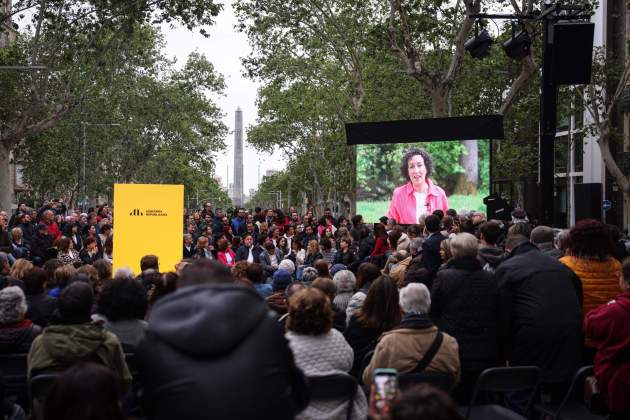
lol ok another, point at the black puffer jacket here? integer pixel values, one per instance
(214, 351)
(540, 302)
(464, 304)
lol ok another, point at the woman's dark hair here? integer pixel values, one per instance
(222, 245)
(254, 273)
(123, 298)
(89, 240)
(393, 237)
(64, 244)
(104, 269)
(50, 267)
(590, 239)
(34, 281)
(381, 308)
(424, 401)
(106, 228)
(108, 246)
(165, 285)
(279, 216)
(310, 312)
(97, 387)
(325, 243)
(379, 231)
(322, 268)
(428, 162)
(366, 273)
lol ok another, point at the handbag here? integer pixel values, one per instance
(594, 399)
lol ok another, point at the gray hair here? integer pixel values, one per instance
(416, 244)
(123, 273)
(187, 236)
(415, 299)
(345, 280)
(309, 274)
(4, 258)
(287, 265)
(12, 305)
(15, 230)
(464, 245)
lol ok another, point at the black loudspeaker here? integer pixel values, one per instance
(497, 208)
(588, 201)
(572, 52)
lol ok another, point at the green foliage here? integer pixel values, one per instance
(146, 123)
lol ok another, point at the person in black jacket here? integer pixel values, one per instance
(224, 362)
(417, 272)
(431, 245)
(243, 252)
(40, 245)
(464, 304)
(540, 304)
(41, 307)
(345, 255)
(90, 252)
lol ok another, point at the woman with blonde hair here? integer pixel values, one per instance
(20, 267)
(312, 253)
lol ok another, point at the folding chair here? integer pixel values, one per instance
(572, 406)
(503, 380)
(38, 388)
(334, 387)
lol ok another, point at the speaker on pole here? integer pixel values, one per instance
(572, 52)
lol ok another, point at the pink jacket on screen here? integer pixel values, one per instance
(403, 205)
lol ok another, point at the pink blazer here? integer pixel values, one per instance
(223, 259)
(403, 205)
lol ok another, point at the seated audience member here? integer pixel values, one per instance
(166, 285)
(66, 254)
(85, 391)
(16, 331)
(490, 255)
(608, 328)
(291, 290)
(345, 282)
(464, 304)
(540, 314)
(41, 307)
(76, 339)
(543, 238)
(255, 274)
(403, 348)
(308, 275)
(399, 268)
(322, 268)
(209, 357)
(188, 248)
(248, 251)
(90, 253)
(225, 255)
(416, 271)
(379, 313)
(366, 274)
(92, 274)
(328, 287)
(287, 265)
(20, 268)
(320, 350)
(431, 245)
(149, 262)
(270, 259)
(424, 401)
(104, 269)
(277, 301)
(346, 254)
(62, 277)
(123, 302)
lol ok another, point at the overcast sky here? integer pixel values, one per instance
(224, 49)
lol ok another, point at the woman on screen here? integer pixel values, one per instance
(418, 196)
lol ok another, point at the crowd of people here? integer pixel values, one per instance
(264, 300)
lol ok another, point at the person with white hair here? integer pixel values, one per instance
(465, 304)
(416, 345)
(345, 282)
(288, 265)
(16, 332)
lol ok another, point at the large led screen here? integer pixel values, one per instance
(406, 180)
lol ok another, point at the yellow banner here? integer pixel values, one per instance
(148, 219)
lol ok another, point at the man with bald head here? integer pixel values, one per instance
(543, 238)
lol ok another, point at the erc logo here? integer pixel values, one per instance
(136, 212)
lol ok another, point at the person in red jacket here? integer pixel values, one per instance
(609, 329)
(48, 218)
(225, 254)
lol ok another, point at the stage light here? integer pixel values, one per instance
(479, 45)
(518, 46)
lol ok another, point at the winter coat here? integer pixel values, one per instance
(608, 328)
(326, 354)
(380, 247)
(540, 304)
(397, 274)
(490, 258)
(265, 262)
(362, 339)
(464, 304)
(60, 346)
(417, 272)
(86, 258)
(600, 279)
(222, 257)
(403, 347)
(345, 258)
(311, 258)
(39, 247)
(213, 350)
(431, 252)
(547, 248)
(242, 253)
(17, 338)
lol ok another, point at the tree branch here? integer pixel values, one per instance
(457, 60)
(528, 68)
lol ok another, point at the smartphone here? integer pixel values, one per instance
(385, 389)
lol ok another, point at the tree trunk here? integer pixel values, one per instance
(467, 181)
(6, 187)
